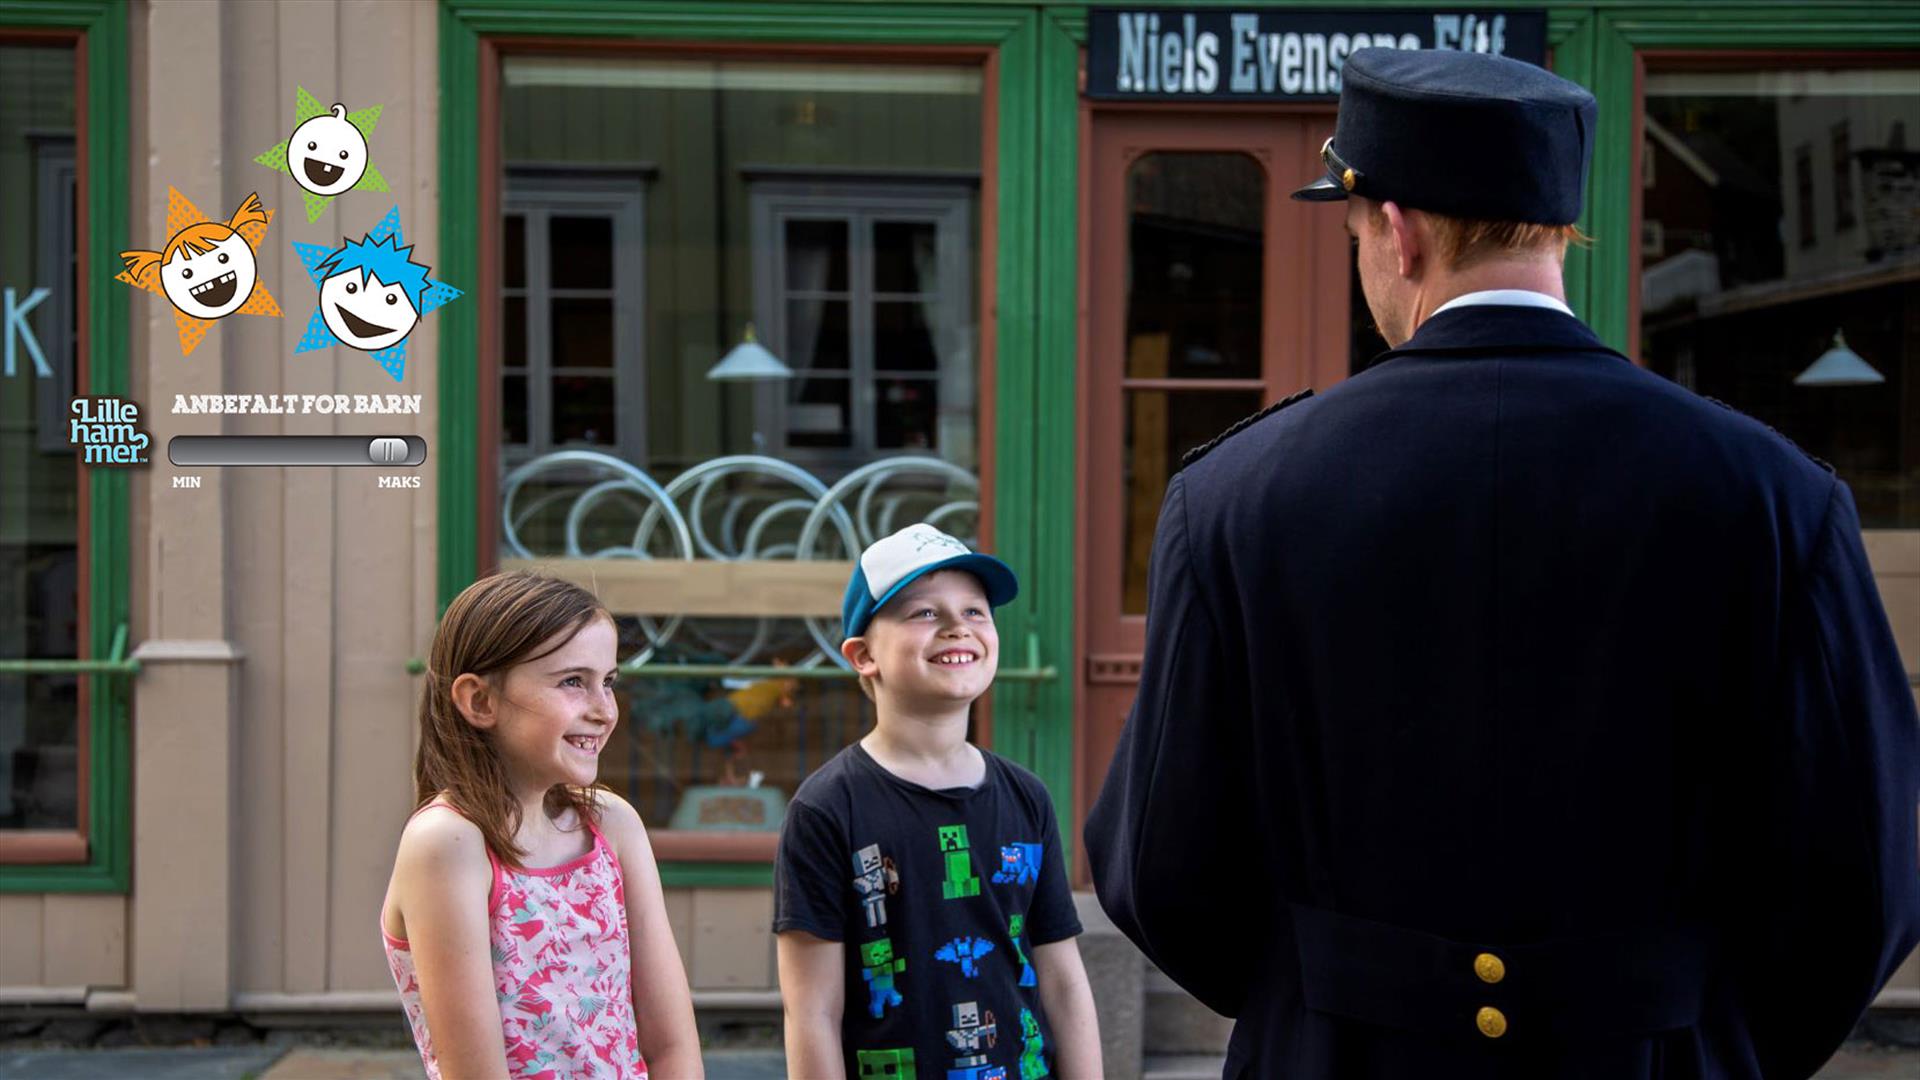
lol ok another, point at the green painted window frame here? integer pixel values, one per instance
(103, 26)
(1034, 282)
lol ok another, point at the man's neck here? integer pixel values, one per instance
(1531, 275)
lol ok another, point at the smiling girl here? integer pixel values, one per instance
(524, 923)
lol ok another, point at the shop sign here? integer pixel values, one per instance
(1223, 54)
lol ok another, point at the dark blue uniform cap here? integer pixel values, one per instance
(1464, 134)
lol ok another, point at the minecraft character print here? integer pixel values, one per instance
(972, 1034)
(1019, 864)
(875, 878)
(1016, 928)
(960, 881)
(886, 1065)
(208, 270)
(1033, 1062)
(878, 967)
(964, 951)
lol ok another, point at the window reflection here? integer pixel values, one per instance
(1780, 209)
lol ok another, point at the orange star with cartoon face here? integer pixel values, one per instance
(208, 270)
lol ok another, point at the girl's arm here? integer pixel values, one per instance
(662, 1004)
(441, 878)
(1068, 1000)
(813, 991)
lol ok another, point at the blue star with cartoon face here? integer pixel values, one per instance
(372, 294)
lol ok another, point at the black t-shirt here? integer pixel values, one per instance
(940, 897)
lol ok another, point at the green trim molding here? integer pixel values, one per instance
(1036, 273)
(716, 875)
(109, 556)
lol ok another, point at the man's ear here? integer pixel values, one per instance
(1406, 238)
(860, 656)
(476, 700)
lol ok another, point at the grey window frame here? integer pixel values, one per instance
(541, 193)
(944, 203)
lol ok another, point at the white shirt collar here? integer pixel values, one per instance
(1506, 297)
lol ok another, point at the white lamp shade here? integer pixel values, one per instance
(749, 361)
(1839, 366)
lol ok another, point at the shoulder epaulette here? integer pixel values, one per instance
(1810, 456)
(1207, 447)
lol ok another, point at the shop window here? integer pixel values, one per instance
(1771, 261)
(42, 772)
(832, 209)
(572, 353)
(864, 289)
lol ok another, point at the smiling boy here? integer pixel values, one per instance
(925, 923)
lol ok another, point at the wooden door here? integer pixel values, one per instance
(1209, 294)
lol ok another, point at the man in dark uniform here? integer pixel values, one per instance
(1507, 710)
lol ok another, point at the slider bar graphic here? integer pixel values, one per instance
(402, 451)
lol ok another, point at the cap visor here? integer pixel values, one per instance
(1325, 189)
(995, 576)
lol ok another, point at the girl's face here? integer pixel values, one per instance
(555, 713)
(935, 642)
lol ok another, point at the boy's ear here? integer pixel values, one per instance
(475, 699)
(860, 656)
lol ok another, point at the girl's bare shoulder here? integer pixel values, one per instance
(441, 840)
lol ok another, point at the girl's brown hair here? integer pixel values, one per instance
(496, 623)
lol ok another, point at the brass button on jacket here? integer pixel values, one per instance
(1492, 1022)
(1489, 967)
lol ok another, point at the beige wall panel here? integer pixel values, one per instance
(374, 527)
(680, 920)
(20, 945)
(184, 767)
(258, 561)
(1908, 975)
(306, 54)
(1901, 596)
(1893, 551)
(85, 939)
(732, 939)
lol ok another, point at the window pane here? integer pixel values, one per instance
(513, 332)
(757, 205)
(818, 338)
(583, 410)
(1196, 247)
(904, 414)
(513, 410)
(40, 537)
(1161, 428)
(818, 413)
(514, 253)
(581, 252)
(903, 257)
(1763, 249)
(816, 256)
(582, 332)
(901, 340)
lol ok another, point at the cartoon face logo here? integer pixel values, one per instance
(208, 270)
(211, 282)
(327, 155)
(366, 313)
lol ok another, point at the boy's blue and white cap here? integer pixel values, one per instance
(908, 555)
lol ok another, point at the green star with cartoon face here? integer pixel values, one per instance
(327, 154)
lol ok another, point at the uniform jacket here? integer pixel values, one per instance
(1506, 646)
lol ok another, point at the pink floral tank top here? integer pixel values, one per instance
(561, 970)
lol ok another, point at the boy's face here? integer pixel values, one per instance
(932, 644)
